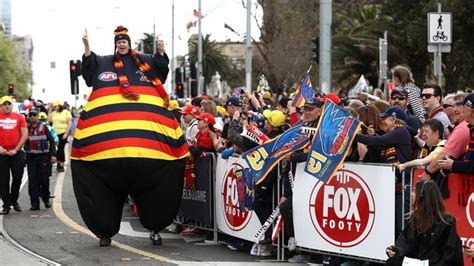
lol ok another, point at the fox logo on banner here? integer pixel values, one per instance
(262, 159)
(335, 132)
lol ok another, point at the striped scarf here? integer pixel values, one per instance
(145, 68)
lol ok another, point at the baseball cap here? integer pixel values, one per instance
(234, 101)
(173, 105)
(33, 111)
(333, 97)
(275, 118)
(207, 117)
(43, 116)
(191, 110)
(314, 102)
(399, 90)
(221, 110)
(267, 95)
(6, 99)
(57, 103)
(395, 111)
(469, 100)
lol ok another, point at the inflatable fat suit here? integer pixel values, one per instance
(127, 143)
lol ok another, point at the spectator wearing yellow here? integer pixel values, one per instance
(60, 119)
(274, 122)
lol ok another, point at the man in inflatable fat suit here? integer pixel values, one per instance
(127, 142)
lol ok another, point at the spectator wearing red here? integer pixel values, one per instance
(205, 138)
(190, 123)
(13, 134)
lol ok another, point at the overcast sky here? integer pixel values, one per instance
(56, 27)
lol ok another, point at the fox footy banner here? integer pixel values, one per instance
(335, 132)
(262, 159)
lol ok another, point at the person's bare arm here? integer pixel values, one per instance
(23, 138)
(85, 41)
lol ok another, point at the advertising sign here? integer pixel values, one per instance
(352, 214)
(231, 218)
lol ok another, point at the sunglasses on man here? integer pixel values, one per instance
(398, 98)
(427, 95)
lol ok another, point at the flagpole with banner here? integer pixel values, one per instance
(334, 135)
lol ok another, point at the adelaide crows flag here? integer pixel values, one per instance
(334, 135)
(262, 159)
(303, 92)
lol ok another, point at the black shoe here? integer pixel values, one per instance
(35, 208)
(5, 211)
(155, 238)
(47, 204)
(60, 169)
(17, 207)
(52, 196)
(105, 242)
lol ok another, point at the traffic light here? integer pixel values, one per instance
(75, 72)
(180, 90)
(11, 89)
(315, 56)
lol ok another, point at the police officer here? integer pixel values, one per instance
(40, 151)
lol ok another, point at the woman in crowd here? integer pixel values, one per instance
(61, 120)
(403, 77)
(396, 148)
(430, 233)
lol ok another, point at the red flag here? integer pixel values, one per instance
(195, 13)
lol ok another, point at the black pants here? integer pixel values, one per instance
(15, 164)
(101, 188)
(60, 153)
(286, 210)
(38, 166)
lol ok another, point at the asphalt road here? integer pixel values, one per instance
(59, 234)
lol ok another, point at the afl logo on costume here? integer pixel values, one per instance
(108, 76)
(343, 210)
(235, 219)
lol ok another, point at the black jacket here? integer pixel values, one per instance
(441, 245)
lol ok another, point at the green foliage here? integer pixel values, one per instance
(213, 60)
(12, 70)
(147, 42)
(407, 25)
(355, 44)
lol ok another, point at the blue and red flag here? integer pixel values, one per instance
(334, 135)
(304, 91)
(263, 158)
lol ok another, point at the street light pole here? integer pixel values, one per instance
(200, 79)
(248, 49)
(325, 18)
(173, 81)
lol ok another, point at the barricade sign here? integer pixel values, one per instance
(196, 202)
(232, 217)
(353, 214)
(460, 204)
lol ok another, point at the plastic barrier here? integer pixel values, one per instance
(353, 215)
(460, 204)
(232, 218)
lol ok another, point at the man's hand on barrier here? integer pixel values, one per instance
(445, 164)
(469, 251)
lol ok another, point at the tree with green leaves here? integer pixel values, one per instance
(213, 60)
(12, 70)
(147, 43)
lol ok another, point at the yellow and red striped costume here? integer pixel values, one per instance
(112, 126)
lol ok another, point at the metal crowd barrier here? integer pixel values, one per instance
(182, 219)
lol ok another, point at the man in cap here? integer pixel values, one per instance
(40, 151)
(399, 97)
(189, 117)
(13, 134)
(467, 164)
(233, 106)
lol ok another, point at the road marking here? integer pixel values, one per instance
(59, 212)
